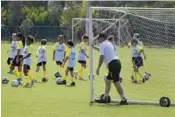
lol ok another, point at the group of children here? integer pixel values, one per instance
(22, 49)
(21, 55)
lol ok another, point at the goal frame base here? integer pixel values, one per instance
(137, 102)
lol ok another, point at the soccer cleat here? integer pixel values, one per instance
(28, 85)
(143, 80)
(33, 82)
(57, 74)
(10, 72)
(72, 84)
(124, 102)
(19, 80)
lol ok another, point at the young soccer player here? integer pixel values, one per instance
(137, 60)
(20, 43)
(12, 50)
(27, 59)
(70, 57)
(59, 52)
(41, 58)
(82, 56)
(113, 64)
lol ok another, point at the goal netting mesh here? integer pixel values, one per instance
(156, 27)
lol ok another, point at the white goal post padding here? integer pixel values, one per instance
(156, 27)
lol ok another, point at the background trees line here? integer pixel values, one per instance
(42, 13)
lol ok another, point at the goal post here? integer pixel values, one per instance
(156, 27)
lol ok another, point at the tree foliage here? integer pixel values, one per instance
(54, 12)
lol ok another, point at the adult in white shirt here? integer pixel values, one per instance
(108, 56)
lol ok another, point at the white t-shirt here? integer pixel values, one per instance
(107, 49)
(41, 53)
(13, 50)
(27, 50)
(20, 47)
(136, 49)
(81, 55)
(59, 51)
(72, 60)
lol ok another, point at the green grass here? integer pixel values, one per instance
(51, 100)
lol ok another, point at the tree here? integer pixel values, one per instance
(26, 25)
(15, 13)
(74, 9)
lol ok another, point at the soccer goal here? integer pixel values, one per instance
(156, 27)
(79, 27)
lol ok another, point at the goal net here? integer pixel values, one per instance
(79, 27)
(156, 27)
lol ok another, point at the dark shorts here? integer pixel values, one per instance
(58, 62)
(114, 68)
(41, 63)
(26, 67)
(70, 68)
(137, 61)
(9, 60)
(82, 62)
(14, 61)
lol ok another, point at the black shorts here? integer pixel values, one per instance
(114, 68)
(41, 63)
(58, 62)
(70, 68)
(137, 61)
(82, 62)
(9, 60)
(14, 61)
(26, 67)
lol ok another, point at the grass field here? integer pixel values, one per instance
(51, 100)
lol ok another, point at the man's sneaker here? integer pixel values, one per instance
(72, 84)
(124, 102)
(10, 72)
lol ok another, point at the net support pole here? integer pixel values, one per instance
(91, 76)
(73, 30)
(119, 36)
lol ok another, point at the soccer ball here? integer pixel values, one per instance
(5, 80)
(105, 99)
(44, 79)
(15, 83)
(59, 80)
(146, 76)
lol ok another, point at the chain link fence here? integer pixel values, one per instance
(39, 32)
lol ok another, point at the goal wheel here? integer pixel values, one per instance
(107, 99)
(164, 102)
